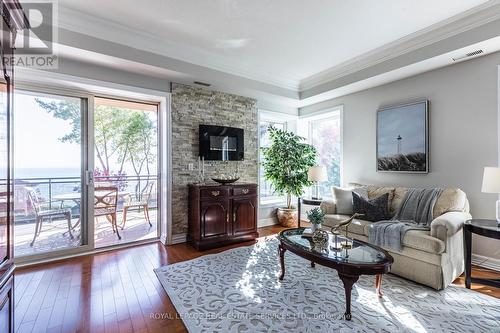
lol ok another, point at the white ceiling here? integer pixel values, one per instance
(277, 40)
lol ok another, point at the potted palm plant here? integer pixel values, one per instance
(286, 162)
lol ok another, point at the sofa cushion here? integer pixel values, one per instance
(397, 199)
(451, 200)
(376, 209)
(356, 226)
(332, 220)
(420, 240)
(342, 197)
(359, 227)
(376, 191)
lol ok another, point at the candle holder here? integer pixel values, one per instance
(201, 170)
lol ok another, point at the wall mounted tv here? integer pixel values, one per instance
(221, 143)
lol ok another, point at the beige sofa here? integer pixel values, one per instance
(434, 258)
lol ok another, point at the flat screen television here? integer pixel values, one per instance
(221, 143)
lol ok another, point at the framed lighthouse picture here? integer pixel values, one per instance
(403, 138)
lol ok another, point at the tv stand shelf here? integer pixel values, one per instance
(221, 214)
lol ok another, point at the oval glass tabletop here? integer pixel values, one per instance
(360, 253)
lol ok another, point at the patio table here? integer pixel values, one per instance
(76, 197)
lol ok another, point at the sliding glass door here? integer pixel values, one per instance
(48, 168)
(86, 172)
(125, 171)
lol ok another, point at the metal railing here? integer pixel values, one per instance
(50, 188)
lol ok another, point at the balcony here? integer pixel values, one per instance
(63, 194)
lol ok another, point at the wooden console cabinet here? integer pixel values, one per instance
(222, 214)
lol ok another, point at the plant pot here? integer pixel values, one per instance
(315, 227)
(287, 217)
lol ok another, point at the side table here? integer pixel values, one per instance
(306, 201)
(486, 228)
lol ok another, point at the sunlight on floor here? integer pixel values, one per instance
(398, 313)
(250, 280)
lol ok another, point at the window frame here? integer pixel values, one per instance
(337, 111)
(277, 118)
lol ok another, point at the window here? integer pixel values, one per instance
(267, 194)
(324, 132)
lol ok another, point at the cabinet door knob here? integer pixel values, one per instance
(245, 191)
(215, 193)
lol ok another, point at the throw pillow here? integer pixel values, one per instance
(374, 210)
(343, 199)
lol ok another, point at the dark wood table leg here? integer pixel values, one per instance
(467, 256)
(282, 251)
(299, 208)
(348, 281)
(378, 285)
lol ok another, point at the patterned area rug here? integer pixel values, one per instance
(239, 291)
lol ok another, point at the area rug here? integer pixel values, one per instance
(238, 291)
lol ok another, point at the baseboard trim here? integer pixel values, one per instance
(486, 262)
(266, 222)
(179, 239)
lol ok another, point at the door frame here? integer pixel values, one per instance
(118, 91)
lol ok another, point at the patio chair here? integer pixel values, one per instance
(42, 215)
(105, 202)
(141, 202)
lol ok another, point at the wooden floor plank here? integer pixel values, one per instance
(117, 291)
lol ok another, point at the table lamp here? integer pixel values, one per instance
(317, 174)
(491, 184)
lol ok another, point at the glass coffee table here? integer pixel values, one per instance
(360, 259)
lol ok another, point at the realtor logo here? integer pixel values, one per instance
(35, 47)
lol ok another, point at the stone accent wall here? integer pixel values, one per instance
(192, 106)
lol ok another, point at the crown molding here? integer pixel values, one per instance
(111, 31)
(470, 19)
(83, 23)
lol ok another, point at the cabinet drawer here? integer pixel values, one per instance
(213, 193)
(245, 190)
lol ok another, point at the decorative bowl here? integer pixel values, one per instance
(225, 181)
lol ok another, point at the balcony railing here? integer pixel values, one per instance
(59, 192)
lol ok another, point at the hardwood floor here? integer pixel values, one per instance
(115, 291)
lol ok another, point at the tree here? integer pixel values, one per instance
(109, 135)
(286, 163)
(120, 135)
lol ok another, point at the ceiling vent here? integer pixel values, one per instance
(469, 55)
(202, 83)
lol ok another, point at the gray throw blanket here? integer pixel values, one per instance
(415, 213)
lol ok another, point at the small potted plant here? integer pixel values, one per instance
(316, 217)
(286, 162)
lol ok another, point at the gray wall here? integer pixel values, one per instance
(463, 132)
(192, 106)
